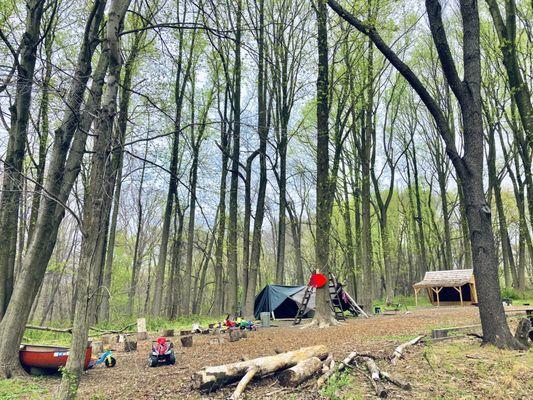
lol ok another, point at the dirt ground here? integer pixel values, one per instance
(428, 367)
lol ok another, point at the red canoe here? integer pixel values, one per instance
(47, 357)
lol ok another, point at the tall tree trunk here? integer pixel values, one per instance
(233, 278)
(62, 172)
(43, 134)
(137, 256)
(262, 129)
(366, 149)
(323, 313)
(93, 211)
(12, 179)
(116, 168)
(221, 226)
(469, 167)
(193, 179)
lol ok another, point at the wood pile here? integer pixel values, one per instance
(295, 367)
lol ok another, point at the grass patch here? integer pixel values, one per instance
(341, 387)
(464, 370)
(35, 336)
(15, 389)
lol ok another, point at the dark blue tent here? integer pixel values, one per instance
(283, 301)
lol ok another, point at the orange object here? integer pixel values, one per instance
(47, 357)
(318, 280)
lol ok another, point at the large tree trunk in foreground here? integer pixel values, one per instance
(323, 313)
(62, 172)
(469, 167)
(12, 179)
(212, 378)
(94, 214)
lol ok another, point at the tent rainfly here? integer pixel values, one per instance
(281, 301)
(450, 287)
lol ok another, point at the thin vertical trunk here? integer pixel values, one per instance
(193, 179)
(221, 226)
(44, 130)
(233, 278)
(137, 257)
(263, 138)
(366, 149)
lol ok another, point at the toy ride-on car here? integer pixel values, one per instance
(162, 353)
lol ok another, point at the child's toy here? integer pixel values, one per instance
(106, 358)
(162, 353)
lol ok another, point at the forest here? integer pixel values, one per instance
(168, 159)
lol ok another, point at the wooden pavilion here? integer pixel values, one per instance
(450, 287)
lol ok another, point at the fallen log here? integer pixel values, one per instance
(212, 378)
(292, 377)
(69, 330)
(49, 329)
(374, 377)
(398, 352)
(244, 382)
(343, 364)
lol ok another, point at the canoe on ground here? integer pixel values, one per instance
(47, 357)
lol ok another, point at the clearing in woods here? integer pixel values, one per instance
(457, 369)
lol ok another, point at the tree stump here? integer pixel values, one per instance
(167, 332)
(302, 371)
(97, 347)
(109, 339)
(130, 343)
(236, 334)
(522, 331)
(186, 341)
(141, 329)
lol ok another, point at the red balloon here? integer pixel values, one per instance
(318, 280)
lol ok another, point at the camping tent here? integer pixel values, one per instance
(283, 301)
(449, 287)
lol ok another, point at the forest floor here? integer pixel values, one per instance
(456, 369)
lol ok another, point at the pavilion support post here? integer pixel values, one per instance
(460, 290)
(437, 291)
(416, 297)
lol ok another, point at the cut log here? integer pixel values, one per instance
(398, 352)
(401, 384)
(343, 364)
(212, 378)
(328, 363)
(97, 347)
(292, 377)
(109, 339)
(167, 332)
(130, 344)
(522, 331)
(374, 377)
(186, 341)
(236, 334)
(244, 382)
